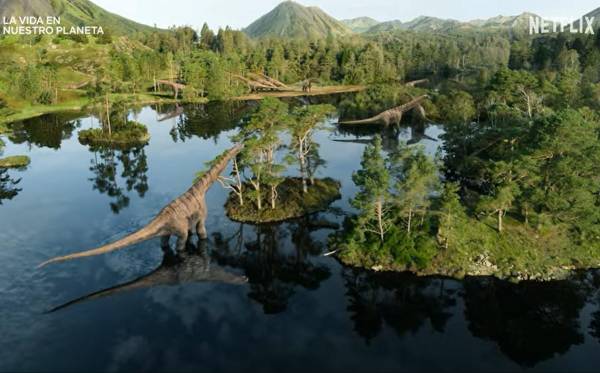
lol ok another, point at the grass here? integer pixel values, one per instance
(78, 102)
(292, 202)
(316, 91)
(17, 161)
(133, 134)
(476, 248)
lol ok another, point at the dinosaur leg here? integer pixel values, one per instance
(182, 237)
(201, 229)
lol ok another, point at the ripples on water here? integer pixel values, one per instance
(296, 311)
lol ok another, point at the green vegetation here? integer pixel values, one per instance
(259, 191)
(515, 194)
(294, 203)
(17, 161)
(132, 134)
(73, 13)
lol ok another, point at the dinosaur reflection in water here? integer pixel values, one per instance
(390, 136)
(273, 272)
(192, 265)
(104, 166)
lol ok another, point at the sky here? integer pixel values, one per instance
(240, 13)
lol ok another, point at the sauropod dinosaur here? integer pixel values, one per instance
(183, 215)
(192, 265)
(392, 115)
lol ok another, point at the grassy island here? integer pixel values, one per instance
(132, 134)
(17, 161)
(293, 202)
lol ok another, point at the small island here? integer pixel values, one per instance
(132, 134)
(294, 203)
(259, 191)
(116, 130)
(16, 161)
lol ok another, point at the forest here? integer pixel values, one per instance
(516, 185)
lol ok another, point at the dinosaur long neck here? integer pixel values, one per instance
(411, 104)
(213, 173)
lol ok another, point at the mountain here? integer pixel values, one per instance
(385, 27)
(432, 24)
(419, 24)
(596, 23)
(292, 20)
(72, 12)
(360, 24)
(504, 22)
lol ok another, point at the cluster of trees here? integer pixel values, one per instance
(258, 170)
(32, 82)
(400, 200)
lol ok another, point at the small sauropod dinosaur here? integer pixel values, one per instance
(183, 215)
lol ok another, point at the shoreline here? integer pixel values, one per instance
(76, 105)
(551, 273)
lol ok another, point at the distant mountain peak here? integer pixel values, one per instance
(292, 20)
(360, 24)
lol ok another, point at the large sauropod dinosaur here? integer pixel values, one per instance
(183, 215)
(191, 265)
(392, 115)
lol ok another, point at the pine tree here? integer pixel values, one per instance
(372, 199)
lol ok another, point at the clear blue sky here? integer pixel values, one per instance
(240, 13)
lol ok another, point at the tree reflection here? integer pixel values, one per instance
(105, 166)
(530, 321)
(8, 186)
(402, 301)
(45, 131)
(205, 121)
(274, 273)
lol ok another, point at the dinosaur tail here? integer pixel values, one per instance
(149, 231)
(361, 121)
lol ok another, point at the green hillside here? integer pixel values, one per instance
(292, 20)
(360, 24)
(73, 12)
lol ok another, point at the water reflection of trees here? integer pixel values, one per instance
(275, 273)
(205, 121)
(530, 321)
(45, 131)
(403, 302)
(8, 186)
(134, 167)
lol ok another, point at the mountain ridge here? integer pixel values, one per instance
(73, 12)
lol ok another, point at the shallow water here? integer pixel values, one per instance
(298, 310)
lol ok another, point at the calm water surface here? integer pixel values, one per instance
(297, 311)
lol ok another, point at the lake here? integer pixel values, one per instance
(297, 311)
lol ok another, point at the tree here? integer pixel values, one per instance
(500, 202)
(416, 180)
(261, 138)
(451, 214)
(373, 197)
(302, 126)
(207, 37)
